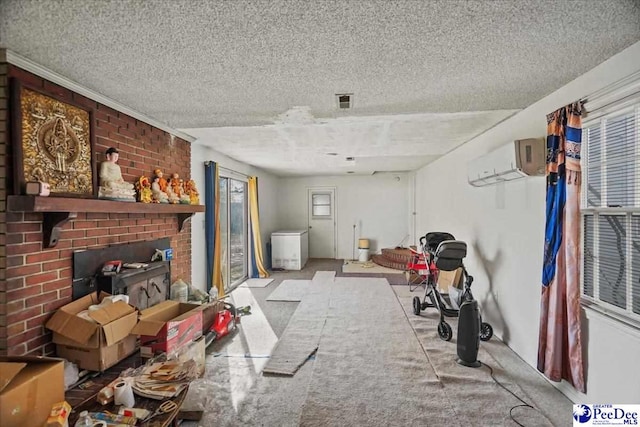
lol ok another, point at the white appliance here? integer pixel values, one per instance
(517, 159)
(289, 249)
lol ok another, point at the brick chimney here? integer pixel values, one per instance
(35, 280)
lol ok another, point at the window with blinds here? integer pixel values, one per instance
(611, 209)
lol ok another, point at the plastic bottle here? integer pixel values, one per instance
(213, 293)
(84, 420)
(180, 291)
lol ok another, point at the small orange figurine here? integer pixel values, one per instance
(161, 181)
(175, 184)
(192, 191)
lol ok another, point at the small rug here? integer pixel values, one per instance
(323, 277)
(301, 337)
(290, 290)
(294, 290)
(256, 283)
(368, 268)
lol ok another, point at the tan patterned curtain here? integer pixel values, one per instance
(560, 344)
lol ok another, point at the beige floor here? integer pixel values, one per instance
(234, 391)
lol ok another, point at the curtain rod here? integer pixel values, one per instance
(614, 92)
(227, 169)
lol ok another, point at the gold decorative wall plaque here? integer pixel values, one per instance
(53, 143)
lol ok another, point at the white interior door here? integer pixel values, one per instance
(322, 222)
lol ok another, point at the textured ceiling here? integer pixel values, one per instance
(198, 64)
(377, 143)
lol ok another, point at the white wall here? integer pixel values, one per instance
(504, 227)
(267, 195)
(377, 204)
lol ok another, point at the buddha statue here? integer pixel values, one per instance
(112, 185)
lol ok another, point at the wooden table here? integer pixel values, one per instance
(151, 405)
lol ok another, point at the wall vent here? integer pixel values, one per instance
(344, 101)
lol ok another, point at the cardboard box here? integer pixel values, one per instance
(209, 312)
(93, 344)
(449, 278)
(98, 359)
(167, 326)
(29, 387)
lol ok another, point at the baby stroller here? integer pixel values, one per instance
(418, 269)
(421, 267)
(443, 252)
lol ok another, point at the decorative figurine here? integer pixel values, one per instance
(185, 199)
(143, 186)
(112, 185)
(174, 182)
(161, 180)
(192, 191)
(159, 196)
(173, 197)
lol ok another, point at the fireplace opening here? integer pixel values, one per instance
(146, 286)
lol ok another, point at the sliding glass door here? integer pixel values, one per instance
(233, 230)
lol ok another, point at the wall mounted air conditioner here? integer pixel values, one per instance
(520, 158)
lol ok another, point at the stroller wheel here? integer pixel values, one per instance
(444, 331)
(486, 331)
(416, 306)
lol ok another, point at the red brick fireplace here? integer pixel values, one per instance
(36, 280)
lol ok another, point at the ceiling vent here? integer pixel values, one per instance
(344, 101)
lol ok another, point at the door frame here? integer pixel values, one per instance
(334, 190)
(230, 174)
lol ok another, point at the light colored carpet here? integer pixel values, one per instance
(368, 268)
(302, 334)
(256, 283)
(476, 392)
(370, 370)
(323, 277)
(234, 391)
(295, 290)
(290, 290)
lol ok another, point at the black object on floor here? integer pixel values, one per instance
(469, 334)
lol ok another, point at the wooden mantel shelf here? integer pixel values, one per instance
(58, 210)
